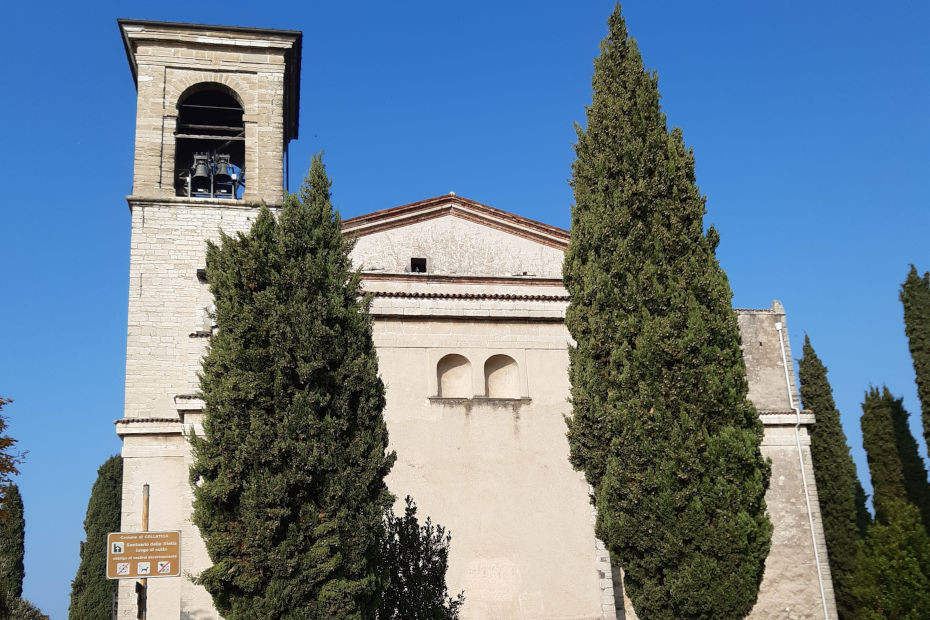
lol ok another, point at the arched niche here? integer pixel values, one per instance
(501, 377)
(209, 152)
(453, 377)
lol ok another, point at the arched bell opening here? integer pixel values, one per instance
(210, 145)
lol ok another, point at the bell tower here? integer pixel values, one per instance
(217, 106)
(216, 109)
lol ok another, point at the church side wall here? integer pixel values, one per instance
(494, 472)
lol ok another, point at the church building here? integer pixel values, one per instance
(468, 307)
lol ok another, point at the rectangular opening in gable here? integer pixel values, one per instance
(417, 265)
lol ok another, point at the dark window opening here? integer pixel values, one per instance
(417, 265)
(210, 146)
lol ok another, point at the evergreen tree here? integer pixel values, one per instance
(415, 558)
(12, 543)
(838, 486)
(915, 296)
(24, 609)
(91, 591)
(9, 459)
(892, 579)
(661, 426)
(863, 516)
(289, 489)
(898, 473)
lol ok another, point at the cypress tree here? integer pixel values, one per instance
(892, 579)
(12, 543)
(898, 473)
(662, 425)
(415, 558)
(24, 609)
(838, 486)
(915, 296)
(91, 591)
(288, 479)
(863, 516)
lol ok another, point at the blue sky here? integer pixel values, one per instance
(810, 123)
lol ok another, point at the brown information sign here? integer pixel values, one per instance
(134, 555)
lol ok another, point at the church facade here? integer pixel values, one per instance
(468, 308)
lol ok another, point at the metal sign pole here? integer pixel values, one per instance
(145, 528)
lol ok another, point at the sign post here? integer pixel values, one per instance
(143, 588)
(144, 554)
(144, 582)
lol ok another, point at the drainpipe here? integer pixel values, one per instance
(797, 438)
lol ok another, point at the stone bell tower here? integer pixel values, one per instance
(217, 107)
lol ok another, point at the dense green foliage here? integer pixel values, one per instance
(863, 516)
(91, 591)
(898, 472)
(893, 575)
(838, 486)
(415, 557)
(12, 551)
(662, 426)
(12, 543)
(915, 296)
(289, 489)
(23, 609)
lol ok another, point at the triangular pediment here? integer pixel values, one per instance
(457, 237)
(456, 206)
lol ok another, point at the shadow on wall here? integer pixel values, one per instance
(453, 374)
(501, 377)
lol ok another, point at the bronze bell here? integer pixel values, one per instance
(200, 174)
(222, 175)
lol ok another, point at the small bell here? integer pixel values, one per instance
(222, 176)
(200, 174)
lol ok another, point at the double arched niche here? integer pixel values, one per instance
(479, 374)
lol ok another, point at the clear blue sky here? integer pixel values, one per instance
(810, 123)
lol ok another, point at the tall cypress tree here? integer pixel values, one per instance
(91, 591)
(661, 425)
(915, 296)
(842, 499)
(898, 473)
(289, 489)
(12, 543)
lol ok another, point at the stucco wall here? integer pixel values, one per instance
(453, 245)
(495, 472)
